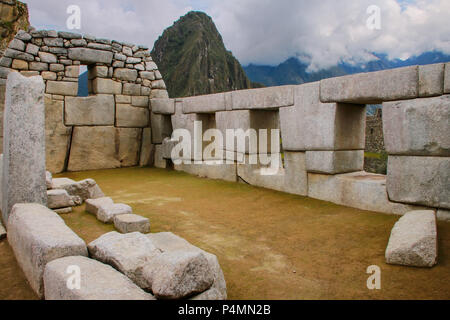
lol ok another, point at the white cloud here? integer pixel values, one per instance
(270, 31)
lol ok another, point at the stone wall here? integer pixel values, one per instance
(107, 128)
(323, 129)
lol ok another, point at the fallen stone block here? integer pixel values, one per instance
(178, 274)
(106, 213)
(418, 127)
(419, 180)
(413, 240)
(48, 180)
(37, 236)
(58, 199)
(372, 87)
(128, 223)
(98, 282)
(346, 189)
(128, 253)
(333, 162)
(169, 242)
(64, 210)
(92, 205)
(85, 189)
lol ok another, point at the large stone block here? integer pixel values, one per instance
(128, 253)
(37, 236)
(86, 111)
(372, 87)
(98, 282)
(418, 127)
(147, 148)
(204, 104)
(131, 117)
(58, 136)
(419, 180)
(264, 98)
(163, 106)
(431, 80)
(226, 172)
(129, 145)
(89, 56)
(360, 190)
(315, 126)
(169, 242)
(106, 86)
(160, 162)
(23, 179)
(125, 74)
(88, 153)
(62, 88)
(296, 177)
(128, 223)
(333, 162)
(161, 127)
(85, 189)
(58, 199)
(413, 240)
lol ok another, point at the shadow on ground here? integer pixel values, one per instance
(270, 245)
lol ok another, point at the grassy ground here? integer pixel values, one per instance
(270, 245)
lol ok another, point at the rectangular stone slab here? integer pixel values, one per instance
(24, 169)
(88, 56)
(204, 104)
(89, 111)
(263, 98)
(37, 236)
(372, 87)
(131, 117)
(418, 127)
(333, 162)
(419, 180)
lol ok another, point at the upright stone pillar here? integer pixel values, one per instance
(23, 178)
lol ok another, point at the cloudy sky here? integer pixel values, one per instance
(321, 33)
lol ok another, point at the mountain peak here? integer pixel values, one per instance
(193, 59)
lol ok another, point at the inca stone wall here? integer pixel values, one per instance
(105, 129)
(323, 129)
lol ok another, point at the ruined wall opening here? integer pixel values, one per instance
(375, 156)
(83, 82)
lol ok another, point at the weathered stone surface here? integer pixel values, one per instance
(125, 74)
(163, 106)
(85, 189)
(169, 242)
(296, 177)
(88, 56)
(85, 111)
(123, 99)
(37, 236)
(64, 88)
(16, 54)
(128, 223)
(161, 127)
(57, 136)
(48, 180)
(106, 213)
(139, 101)
(315, 126)
(23, 179)
(443, 215)
(131, 117)
(93, 205)
(160, 162)
(346, 189)
(129, 145)
(128, 253)
(98, 72)
(418, 127)
(263, 98)
(63, 210)
(167, 147)
(47, 57)
(19, 65)
(419, 180)
(132, 89)
(413, 240)
(93, 154)
(373, 87)
(333, 162)
(38, 66)
(98, 282)
(204, 104)
(179, 274)
(106, 86)
(147, 149)
(58, 199)
(447, 78)
(431, 80)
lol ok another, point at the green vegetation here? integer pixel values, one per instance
(194, 61)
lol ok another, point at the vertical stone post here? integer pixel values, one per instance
(23, 178)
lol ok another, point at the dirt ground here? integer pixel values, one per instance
(270, 245)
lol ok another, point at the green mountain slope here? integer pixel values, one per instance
(193, 59)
